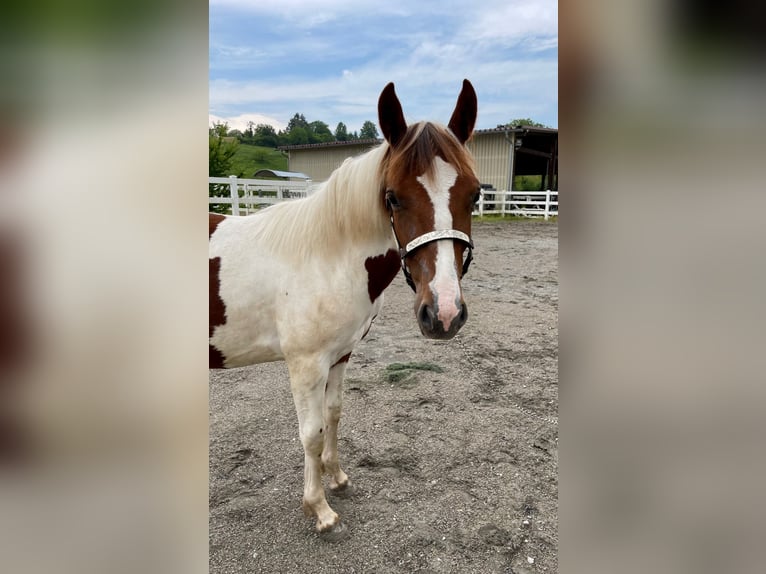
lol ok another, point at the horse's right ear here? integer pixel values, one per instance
(464, 117)
(390, 116)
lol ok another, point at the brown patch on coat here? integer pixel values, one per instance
(216, 360)
(381, 270)
(217, 310)
(343, 359)
(213, 220)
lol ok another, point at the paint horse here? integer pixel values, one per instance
(302, 281)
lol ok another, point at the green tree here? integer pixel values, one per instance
(265, 135)
(297, 121)
(341, 132)
(298, 136)
(320, 132)
(249, 134)
(222, 148)
(368, 131)
(525, 122)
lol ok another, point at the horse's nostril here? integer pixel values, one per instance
(426, 317)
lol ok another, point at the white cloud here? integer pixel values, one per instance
(513, 21)
(427, 88)
(335, 72)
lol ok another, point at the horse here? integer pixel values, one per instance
(302, 281)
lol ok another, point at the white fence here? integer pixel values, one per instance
(251, 194)
(543, 204)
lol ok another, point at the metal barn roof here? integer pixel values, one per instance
(281, 174)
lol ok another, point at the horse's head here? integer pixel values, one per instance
(430, 188)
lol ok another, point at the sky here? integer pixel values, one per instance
(330, 59)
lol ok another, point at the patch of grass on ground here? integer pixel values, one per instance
(400, 372)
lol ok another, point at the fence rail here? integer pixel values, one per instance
(248, 195)
(251, 194)
(543, 204)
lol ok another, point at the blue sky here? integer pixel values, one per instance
(330, 59)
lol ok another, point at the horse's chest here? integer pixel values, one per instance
(275, 308)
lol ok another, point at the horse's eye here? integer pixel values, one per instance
(391, 201)
(476, 196)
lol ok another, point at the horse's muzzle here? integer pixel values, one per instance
(433, 328)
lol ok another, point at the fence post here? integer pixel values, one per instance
(234, 192)
(547, 204)
(481, 205)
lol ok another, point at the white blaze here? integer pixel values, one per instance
(445, 285)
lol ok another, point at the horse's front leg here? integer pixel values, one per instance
(333, 402)
(307, 382)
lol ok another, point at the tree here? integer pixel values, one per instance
(249, 134)
(222, 148)
(368, 131)
(265, 135)
(319, 132)
(341, 132)
(298, 136)
(525, 122)
(297, 121)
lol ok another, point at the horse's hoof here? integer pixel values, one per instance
(346, 490)
(336, 533)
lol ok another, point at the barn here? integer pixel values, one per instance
(501, 153)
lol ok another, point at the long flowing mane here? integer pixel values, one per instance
(346, 208)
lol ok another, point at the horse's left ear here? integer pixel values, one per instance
(391, 116)
(464, 117)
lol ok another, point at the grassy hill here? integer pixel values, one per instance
(251, 158)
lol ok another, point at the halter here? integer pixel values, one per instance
(425, 239)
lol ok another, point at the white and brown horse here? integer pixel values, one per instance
(302, 281)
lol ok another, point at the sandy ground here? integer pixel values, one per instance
(454, 471)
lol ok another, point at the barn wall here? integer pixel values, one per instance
(319, 163)
(490, 151)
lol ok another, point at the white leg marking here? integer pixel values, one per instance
(445, 285)
(333, 401)
(307, 382)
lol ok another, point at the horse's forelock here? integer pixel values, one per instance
(421, 145)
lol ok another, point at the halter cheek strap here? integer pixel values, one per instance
(427, 238)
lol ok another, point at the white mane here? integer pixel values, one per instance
(347, 208)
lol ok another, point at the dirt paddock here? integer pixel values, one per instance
(452, 446)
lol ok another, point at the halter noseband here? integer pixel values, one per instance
(426, 238)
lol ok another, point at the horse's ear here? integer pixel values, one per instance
(390, 116)
(464, 117)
